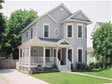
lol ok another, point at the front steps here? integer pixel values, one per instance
(64, 68)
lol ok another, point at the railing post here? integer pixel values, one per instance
(44, 61)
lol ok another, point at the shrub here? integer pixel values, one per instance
(91, 65)
(98, 65)
(81, 67)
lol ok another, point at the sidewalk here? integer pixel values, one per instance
(90, 75)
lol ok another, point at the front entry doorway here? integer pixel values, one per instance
(62, 56)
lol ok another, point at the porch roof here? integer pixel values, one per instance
(46, 42)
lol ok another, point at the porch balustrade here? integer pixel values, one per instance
(39, 61)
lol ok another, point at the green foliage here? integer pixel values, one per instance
(1, 1)
(10, 36)
(18, 20)
(102, 43)
(91, 65)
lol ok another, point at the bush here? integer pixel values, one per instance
(91, 65)
(81, 67)
(98, 65)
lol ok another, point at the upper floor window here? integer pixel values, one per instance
(26, 34)
(80, 30)
(69, 30)
(31, 33)
(79, 55)
(46, 30)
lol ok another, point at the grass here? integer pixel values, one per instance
(67, 78)
(104, 73)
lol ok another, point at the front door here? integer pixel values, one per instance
(62, 56)
(47, 55)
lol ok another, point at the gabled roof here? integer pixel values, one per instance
(45, 15)
(97, 25)
(70, 18)
(100, 23)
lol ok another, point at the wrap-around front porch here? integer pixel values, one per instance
(32, 55)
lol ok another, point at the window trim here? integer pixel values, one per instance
(79, 24)
(48, 30)
(78, 55)
(67, 30)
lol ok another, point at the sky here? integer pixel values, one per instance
(97, 11)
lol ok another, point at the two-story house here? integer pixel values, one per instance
(58, 37)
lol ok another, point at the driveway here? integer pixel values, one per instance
(12, 76)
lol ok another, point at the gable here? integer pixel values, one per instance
(60, 13)
(80, 16)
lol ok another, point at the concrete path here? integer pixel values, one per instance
(90, 75)
(13, 76)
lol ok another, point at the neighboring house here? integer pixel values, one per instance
(58, 37)
(89, 50)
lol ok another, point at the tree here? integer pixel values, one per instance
(1, 1)
(102, 44)
(3, 31)
(18, 20)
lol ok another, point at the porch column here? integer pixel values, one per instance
(57, 55)
(44, 61)
(67, 55)
(22, 56)
(29, 53)
(19, 55)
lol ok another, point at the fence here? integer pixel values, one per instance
(7, 63)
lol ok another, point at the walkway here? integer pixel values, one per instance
(14, 77)
(90, 75)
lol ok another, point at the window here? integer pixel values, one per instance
(47, 54)
(56, 31)
(70, 54)
(31, 33)
(46, 30)
(20, 52)
(79, 55)
(69, 30)
(26, 34)
(80, 31)
(86, 33)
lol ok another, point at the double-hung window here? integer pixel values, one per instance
(69, 30)
(31, 33)
(80, 31)
(80, 52)
(46, 30)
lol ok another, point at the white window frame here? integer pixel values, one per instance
(72, 53)
(48, 30)
(79, 24)
(78, 55)
(67, 30)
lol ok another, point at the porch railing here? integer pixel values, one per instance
(39, 61)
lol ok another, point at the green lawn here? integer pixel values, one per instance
(103, 73)
(67, 78)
